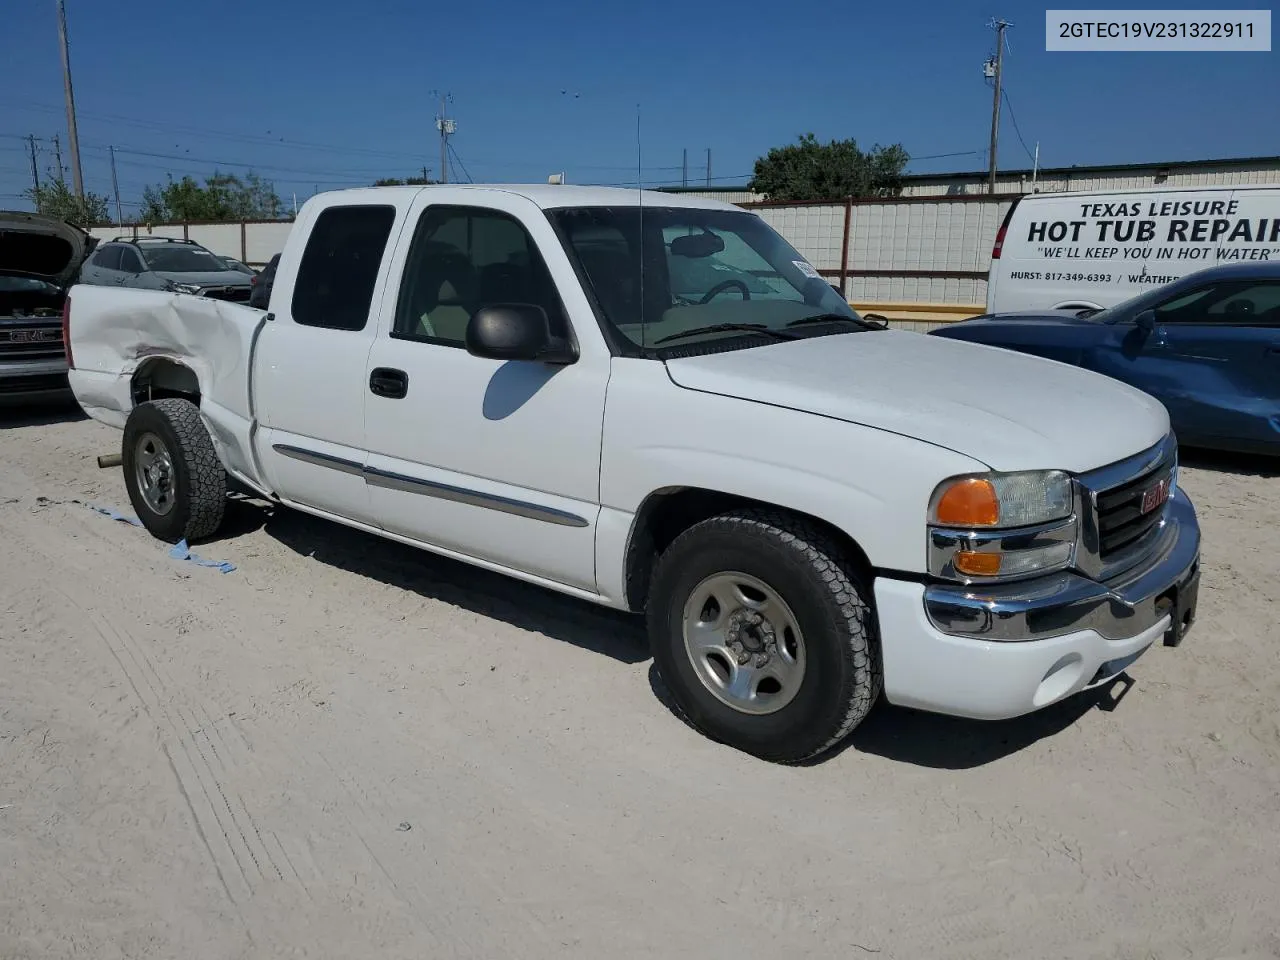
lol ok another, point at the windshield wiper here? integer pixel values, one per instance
(728, 328)
(835, 318)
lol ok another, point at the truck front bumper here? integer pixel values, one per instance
(33, 382)
(1003, 651)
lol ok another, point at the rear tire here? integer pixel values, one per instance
(176, 483)
(763, 632)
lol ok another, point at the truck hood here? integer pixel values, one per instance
(41, 248)
(210, 278)
(1008, 410)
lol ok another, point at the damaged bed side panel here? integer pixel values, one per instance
(115, 333)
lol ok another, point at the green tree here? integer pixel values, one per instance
(223, 196)
(809, 170)
(55, 199)
(399, 182)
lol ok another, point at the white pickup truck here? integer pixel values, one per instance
(655, 403)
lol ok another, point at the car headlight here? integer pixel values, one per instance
(998, 526)
(184, 287)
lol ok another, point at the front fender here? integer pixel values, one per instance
(871, 484)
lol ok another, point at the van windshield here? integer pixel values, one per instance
(708, 275)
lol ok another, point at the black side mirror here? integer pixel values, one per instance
(836, 288)
(1145, 321)
(516, 331)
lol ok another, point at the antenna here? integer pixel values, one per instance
(640, 208)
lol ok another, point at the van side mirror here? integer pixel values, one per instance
(516, 331)
(1145, 321)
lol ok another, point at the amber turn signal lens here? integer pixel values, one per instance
(969, 503)
(977, 564)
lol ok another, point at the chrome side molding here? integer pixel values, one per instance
(431, 488)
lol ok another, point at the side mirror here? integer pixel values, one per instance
(516, 331)
(1145, 321)
(836, 288)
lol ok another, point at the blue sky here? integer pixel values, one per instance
(326, 94)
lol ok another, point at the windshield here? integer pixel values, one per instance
(702, 268)
(180, 258)
(1128, 309)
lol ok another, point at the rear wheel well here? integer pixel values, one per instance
(666, 514)
(161, 378)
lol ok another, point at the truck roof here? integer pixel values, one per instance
(549, 196)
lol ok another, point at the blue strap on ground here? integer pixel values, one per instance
(180, 551)
(115, 515)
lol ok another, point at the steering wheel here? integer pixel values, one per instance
(724, 285)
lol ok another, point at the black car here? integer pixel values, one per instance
(1207, 346)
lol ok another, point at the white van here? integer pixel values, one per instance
(1076, 250)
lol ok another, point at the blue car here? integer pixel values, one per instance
(1207, 346)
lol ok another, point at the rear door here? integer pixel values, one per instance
(497, 461)
(309, 364)
(103, 268)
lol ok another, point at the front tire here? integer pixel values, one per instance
(176, 483)
(762, 631)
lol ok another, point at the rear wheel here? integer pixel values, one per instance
(175, 481)
(762, 631)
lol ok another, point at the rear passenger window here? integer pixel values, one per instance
(108, 258)
(334, 288)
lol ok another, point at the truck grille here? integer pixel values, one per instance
(235, 294)
(31, 343)
(1128, 512)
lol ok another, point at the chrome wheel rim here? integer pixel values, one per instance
(744, 643)
(153, 469)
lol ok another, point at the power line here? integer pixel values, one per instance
(458, 160)
(1007, 103)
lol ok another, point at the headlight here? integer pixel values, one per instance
(184, 287)
(999, 526)
(1002, 499)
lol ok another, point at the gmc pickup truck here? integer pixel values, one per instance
(655, 403)
(39, 258)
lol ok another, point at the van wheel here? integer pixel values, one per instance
(763, 633)
(176, 483)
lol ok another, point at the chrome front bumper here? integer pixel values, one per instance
(1063, 603)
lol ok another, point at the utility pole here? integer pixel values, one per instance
(76, 177)
(708, 166)
(57, 156)
(686, 167)
(995, 69)
(35, 167)
(115, 187)
(446, 128)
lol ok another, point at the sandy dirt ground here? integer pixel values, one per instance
(347, 748)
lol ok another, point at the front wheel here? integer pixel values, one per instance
(763, 633)
(175, 481)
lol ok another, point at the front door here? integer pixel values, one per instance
(1212, 357)
(495, 461)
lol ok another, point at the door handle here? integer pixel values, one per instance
(389, 382)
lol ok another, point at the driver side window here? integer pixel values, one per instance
(1238, 302)
(463, 259)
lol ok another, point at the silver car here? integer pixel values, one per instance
(162, 263)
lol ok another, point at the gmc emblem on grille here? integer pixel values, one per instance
(1154, 496)
(33, 336)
